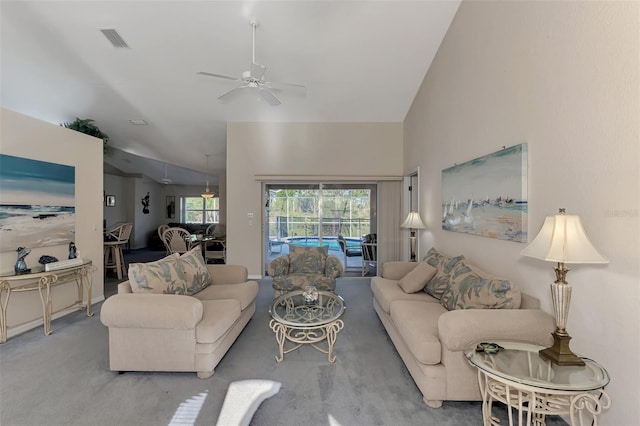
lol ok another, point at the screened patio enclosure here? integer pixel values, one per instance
(315, 214)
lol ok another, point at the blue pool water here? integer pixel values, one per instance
(332, 242)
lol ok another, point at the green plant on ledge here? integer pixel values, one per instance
(87, 127)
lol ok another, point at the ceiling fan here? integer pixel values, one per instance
(253, 79)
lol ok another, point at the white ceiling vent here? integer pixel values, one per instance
(113, 36)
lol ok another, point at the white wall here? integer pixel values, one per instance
(562, 76)
(312, 149)
(23, 136)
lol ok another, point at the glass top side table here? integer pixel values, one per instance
(517, 376)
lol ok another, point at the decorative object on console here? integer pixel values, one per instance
(501, 177)
(207, 193)
(21, 266)
(413, 222)
(73, 251)
(562, 239)
(47, 259)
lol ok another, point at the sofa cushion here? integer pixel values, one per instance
(195, 270)
(307, 260)
(217, 318)
(439, 283)
(415, 280)
(417, 323)
(470, 290)
(163, 276)
(245, 293)
(386, 291)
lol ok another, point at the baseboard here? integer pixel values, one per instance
(255, 277)
(23, 328)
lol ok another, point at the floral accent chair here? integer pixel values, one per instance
(305, 266)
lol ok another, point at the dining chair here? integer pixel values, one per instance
(115, 239)
(177, 240)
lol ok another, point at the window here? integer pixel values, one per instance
(200, 210)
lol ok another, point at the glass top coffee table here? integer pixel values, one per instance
(307, 320)
(515, 374)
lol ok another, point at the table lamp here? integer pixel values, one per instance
(413, 222)
(562, 239)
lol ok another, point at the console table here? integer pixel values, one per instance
(517, 376)
(42, 281)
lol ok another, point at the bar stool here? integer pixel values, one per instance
(115, 239)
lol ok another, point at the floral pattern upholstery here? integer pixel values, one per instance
(195, 270)
(305, 266)
(439, 283)
(469, 290)
(163, 276)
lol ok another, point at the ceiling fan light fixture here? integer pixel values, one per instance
(254, 77)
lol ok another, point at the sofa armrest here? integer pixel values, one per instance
(165, 311)
(397, 270)
(460, 328)
(124, 287)
(279, 266)
(228, 274)
(333, 268)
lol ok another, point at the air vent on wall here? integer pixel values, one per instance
(113, 36)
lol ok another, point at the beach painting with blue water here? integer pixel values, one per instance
(487, 196)
(37, 203)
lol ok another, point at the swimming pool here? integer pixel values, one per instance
(332, 242)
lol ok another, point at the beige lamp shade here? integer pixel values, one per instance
(413, 221)
(563, 239)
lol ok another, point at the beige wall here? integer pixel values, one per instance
(563, 77)
(27, 137)
(312, 149)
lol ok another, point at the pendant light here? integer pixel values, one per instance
(207, 193)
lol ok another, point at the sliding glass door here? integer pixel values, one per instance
(316, 214)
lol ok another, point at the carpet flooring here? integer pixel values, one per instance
(64, 378)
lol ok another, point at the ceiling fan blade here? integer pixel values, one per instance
(217, 75)
(257, 71)
(269, 97)
(276, 84)
(230, 94)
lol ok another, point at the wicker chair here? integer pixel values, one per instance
(177, 240)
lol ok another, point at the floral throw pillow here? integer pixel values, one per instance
(439, 283)
(195, 270)
(469, 290)
(163, 276)
(307, 260)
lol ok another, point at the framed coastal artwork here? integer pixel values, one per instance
(37, 203)
(487, 196)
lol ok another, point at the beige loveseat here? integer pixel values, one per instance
(431, 339)
(158, 322)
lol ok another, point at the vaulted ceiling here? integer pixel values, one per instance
(360, 61)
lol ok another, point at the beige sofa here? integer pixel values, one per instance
(174, 332)
(431, 339)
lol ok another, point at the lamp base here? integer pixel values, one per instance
(560, 353)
